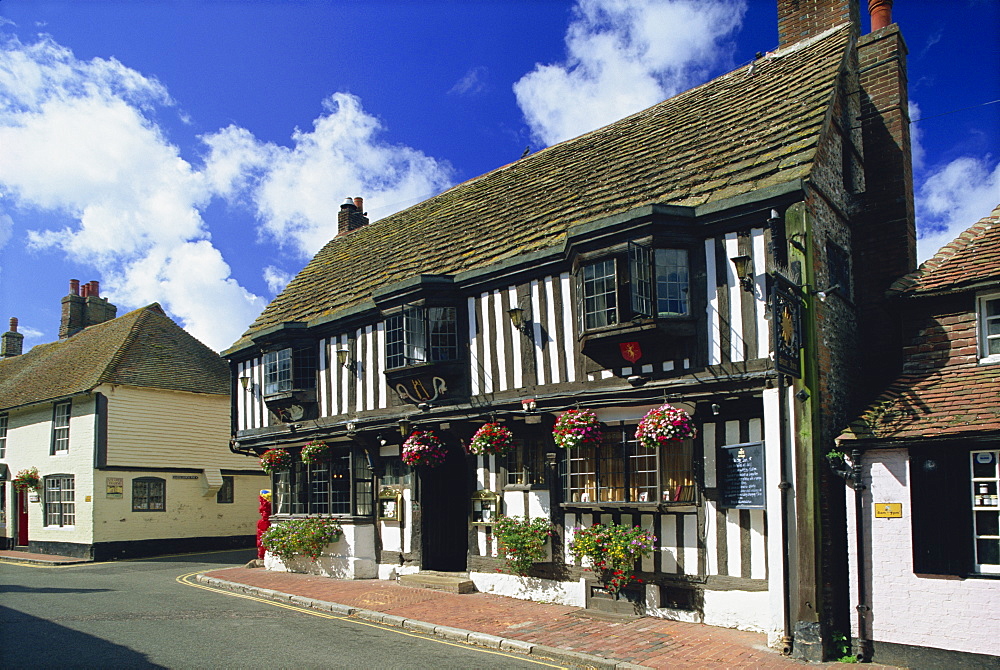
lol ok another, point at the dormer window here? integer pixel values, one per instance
(648, 283)
(419, 334)
(989, 328)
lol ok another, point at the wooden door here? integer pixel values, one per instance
(444, 493)
(22, 518)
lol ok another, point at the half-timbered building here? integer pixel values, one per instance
(715, 251)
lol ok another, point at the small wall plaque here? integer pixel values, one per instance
(484, 507)
(889, 510)
(390, 505)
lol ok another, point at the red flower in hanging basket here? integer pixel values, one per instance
(27, 479)
(663, 424)
(491, 438)
(275, 460)
(423, 447)
(577, 428)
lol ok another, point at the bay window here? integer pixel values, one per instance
(289, 369)
(419, 334)
(340, 484)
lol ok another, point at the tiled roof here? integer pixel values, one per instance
(755, 127)
(944, 390)
(954, 401)
(142, 348)
(971, 258)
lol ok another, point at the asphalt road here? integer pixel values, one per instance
(145, 614)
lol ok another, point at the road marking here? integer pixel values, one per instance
(10, 561)
(186, 580)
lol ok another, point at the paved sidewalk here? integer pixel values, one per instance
(564, 633)
(39, 559)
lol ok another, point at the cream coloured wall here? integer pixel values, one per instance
(150, 428)
(191, 508)
(29, 437)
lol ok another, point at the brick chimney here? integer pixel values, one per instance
(351, 216)
(84, 307)
(11, 342)
(801, 19)
(885, 239)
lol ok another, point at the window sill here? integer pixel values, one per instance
(639, 506)
(525, 487)
(342, 518)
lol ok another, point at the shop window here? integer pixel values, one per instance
(986, 510)
(623, 471)
(149, 494)
(60, 427)
(60, 500)
(421, 335)
(226, 492)
(329, 486)
(988, 309)
(525, 463)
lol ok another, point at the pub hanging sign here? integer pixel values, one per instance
(786, 312)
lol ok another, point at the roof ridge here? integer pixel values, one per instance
(947, 252)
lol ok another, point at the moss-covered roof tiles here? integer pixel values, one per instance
(142, 348)
(754, 127)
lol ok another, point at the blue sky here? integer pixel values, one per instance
(195, 153)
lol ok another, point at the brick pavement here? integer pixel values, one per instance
(646, 641)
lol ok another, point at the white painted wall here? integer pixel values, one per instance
(351, 557)
(924, 611)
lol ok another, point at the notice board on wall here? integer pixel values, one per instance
(741, 475)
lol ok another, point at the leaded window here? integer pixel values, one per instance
(149, 494)
(421, 335)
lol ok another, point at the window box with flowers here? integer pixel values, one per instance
(423, 447)
(612, 551)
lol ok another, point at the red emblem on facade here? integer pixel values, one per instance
(631, 351)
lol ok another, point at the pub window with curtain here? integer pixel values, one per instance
(623, 471)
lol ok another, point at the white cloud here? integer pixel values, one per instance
(623, 56)
(297, 191)
(471, 83)
(276, 278)
(952, 198)
(78, 140)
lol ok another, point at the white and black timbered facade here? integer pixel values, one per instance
(676, 256)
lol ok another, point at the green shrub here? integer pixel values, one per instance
(613, 550)
(521, 541)
(301, 537)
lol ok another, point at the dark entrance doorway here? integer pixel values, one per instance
(444, 503)
(22, 518)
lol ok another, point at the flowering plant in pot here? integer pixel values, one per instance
(577, 428)
(27, 479)
(275, 460)
(423, 447)
(491, 438)
(301, 537)
(315, 451)
(612, 550)
(663, 424)
(521, 542)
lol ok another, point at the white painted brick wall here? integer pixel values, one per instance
(926, 611)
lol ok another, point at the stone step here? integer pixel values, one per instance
(449, 582)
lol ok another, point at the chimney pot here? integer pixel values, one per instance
(881, 13)
(95, 288)
(348, 204)
(13, 324)
(359, 203)
(74, 287)
(11, 342)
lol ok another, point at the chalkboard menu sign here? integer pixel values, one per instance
(741, 475)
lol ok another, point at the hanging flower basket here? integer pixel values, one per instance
(577, 428)
(423, 447)
(314, 452)
(275, 460)
(27, 479)
(663, 424)
(491, 438)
